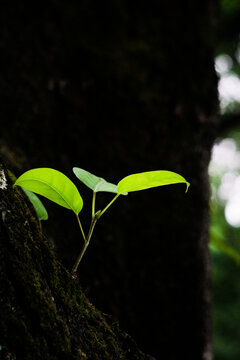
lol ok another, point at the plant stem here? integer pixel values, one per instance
(81, 228)
(103, 211)
(95, 217)
(93, 204)
(92, 226)
(79, 258)
(84, 248)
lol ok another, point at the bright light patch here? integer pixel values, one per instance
(225, 163)
(229, 89)
(229, 83)
(232, 212)
(224, 157)
(223, 63)
(226, 188)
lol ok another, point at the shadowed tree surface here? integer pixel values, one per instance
(118, 88)
(44, 313)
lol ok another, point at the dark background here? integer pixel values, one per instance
(115, 88)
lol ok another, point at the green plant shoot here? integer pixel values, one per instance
(58, 188)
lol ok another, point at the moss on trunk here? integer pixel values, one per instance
(43, 312)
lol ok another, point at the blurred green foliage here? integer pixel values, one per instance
(230, 7)
(226, 288)
(225, 239)
(225, 252)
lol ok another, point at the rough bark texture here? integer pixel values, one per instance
(43, 312)
(116, 88)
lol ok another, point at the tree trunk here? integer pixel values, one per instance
(43, 312)
(118, 88)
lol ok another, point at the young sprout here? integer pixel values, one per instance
(58, 188)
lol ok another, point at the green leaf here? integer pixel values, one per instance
(94, 182)
(54, 185)
(149, 179)
(37, 204)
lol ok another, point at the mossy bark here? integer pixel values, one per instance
(43, 312)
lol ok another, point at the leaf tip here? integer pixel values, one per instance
(187, 184)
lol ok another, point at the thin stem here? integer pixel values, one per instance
(84, 248)
(95, 217)
(93, 204)
(81, 228)
(103, 211)
(79, 258)
(92, 226)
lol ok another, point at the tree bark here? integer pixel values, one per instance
(43, 312)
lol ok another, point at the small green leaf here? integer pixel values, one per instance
(54, 185)
(94, 182)
(37, 204)
(149, 179)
